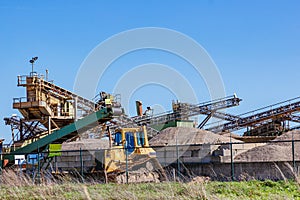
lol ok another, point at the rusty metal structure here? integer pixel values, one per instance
(47, 108)
(53, 115)
(266, 121)
(46, 101)
(181, 111)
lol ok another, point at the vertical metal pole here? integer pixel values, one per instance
(109, 135)
(20, 166)
(39, 165)
(21, 131)
(231, 160)
(32, 69)
(32, 170)
(126, 150)
(293, 153)
(47, 72)
(75, 108)
(177, 156)
(13, 137)
(81, 164)
(49, 125)
(55, 161)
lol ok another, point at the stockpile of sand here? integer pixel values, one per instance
(185, 135)
(279, 151)
(288, 136)
(86, 144)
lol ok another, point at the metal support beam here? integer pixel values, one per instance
(49, 125)
(205, 120)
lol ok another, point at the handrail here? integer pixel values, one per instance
(19, 99)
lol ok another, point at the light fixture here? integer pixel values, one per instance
(32, 62)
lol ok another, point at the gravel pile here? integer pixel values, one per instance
(86, 144)
(185, 135)
(279, 151)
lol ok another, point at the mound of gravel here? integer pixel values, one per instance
(187, 136)
(278, 151)
(288, 136)
(86, 144)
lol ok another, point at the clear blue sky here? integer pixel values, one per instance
(255, 44)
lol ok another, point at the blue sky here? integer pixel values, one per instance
(255, 45)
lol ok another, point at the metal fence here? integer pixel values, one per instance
(273, 160)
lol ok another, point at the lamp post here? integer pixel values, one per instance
(47, 73)
(32, 63)
(293, 152)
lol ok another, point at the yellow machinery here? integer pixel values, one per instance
(130, 141)
(131, 153)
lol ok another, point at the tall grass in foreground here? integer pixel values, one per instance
(14, 186)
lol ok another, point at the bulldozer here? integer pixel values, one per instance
(130, 159)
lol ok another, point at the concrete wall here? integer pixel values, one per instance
(72, 160)
(195, 160)
(205, 153)
(242, 171)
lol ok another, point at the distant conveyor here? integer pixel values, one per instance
(281, 111)
(184, 111)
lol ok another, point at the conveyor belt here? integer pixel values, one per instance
(184, 112)
(68, 131)
(279, 111)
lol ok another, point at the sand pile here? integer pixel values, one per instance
(86, 144)
(288, 136)
(279, 151)
(185, 135)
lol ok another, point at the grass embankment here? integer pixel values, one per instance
(210, 190)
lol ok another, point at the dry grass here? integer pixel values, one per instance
(14, 186)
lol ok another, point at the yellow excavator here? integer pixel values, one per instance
(130, 158)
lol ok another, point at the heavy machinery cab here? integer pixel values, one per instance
(131, 139)
(129, 144)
